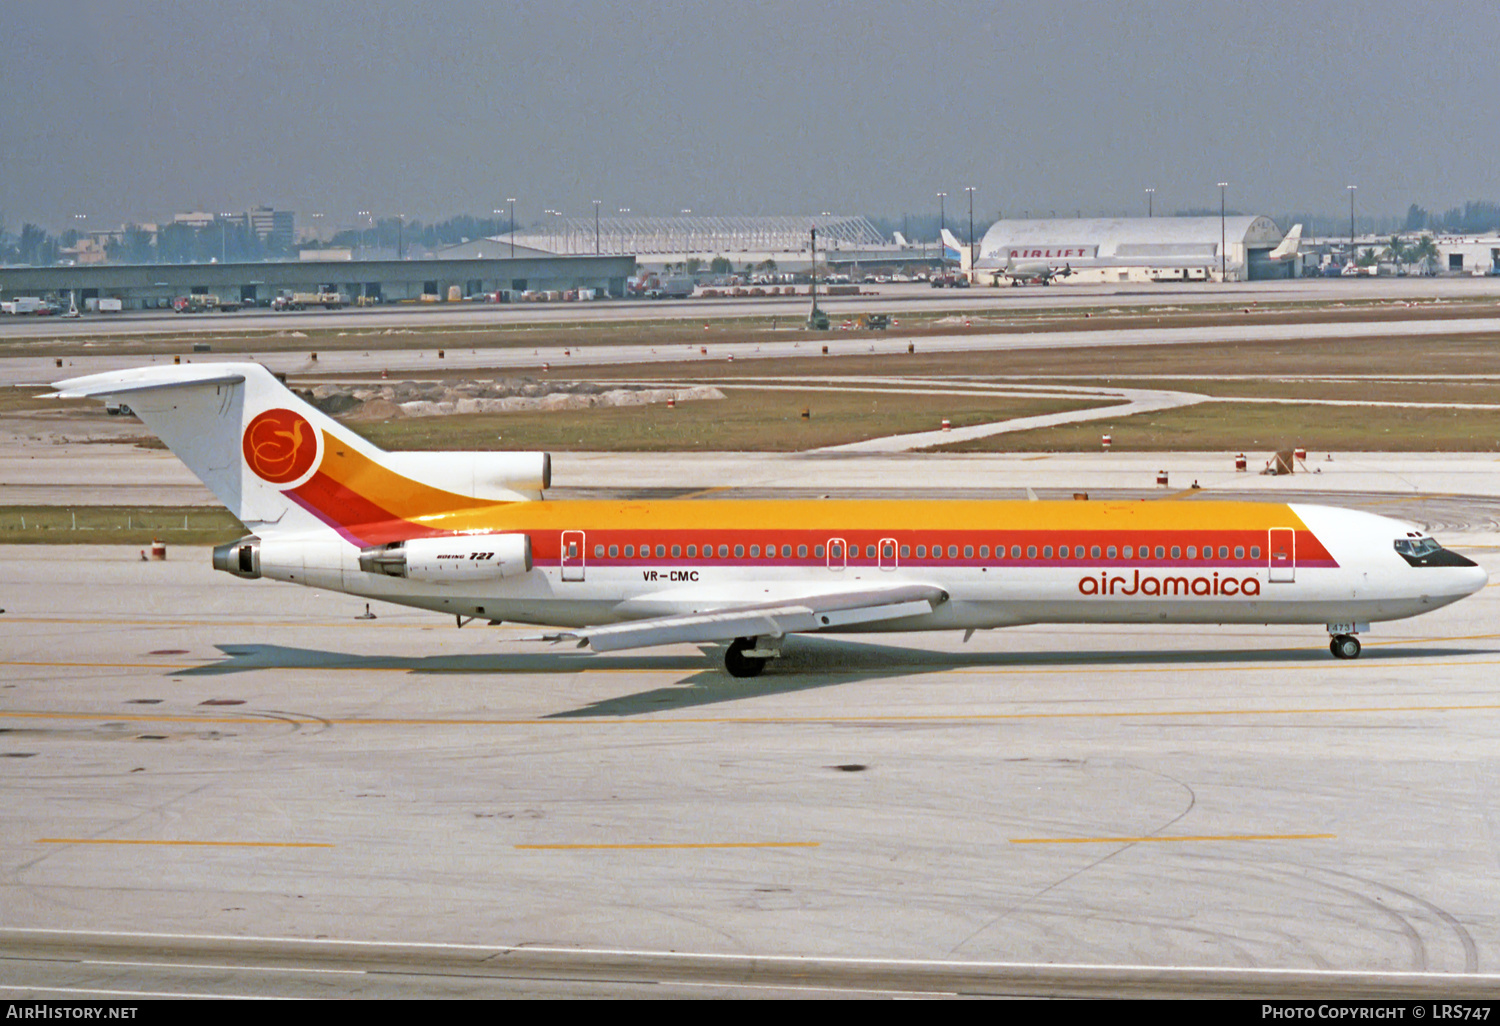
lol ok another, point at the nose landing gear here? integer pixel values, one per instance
(1344, 646)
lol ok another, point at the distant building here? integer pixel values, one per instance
(658, 242)
(1137, 248)
(276, 228)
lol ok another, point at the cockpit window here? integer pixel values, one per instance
(1417, 547)
(1427, 552)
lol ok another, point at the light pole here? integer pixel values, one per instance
(367, 216)
(596, 226)
(511, 201)
(1150, 202)
(970, 189)
(942, 227)
(1351, 222)
(1223, 238)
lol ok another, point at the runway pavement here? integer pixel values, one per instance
(239, 769)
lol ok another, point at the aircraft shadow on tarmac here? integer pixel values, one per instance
(807, 663)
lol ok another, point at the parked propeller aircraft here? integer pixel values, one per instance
(467, 533)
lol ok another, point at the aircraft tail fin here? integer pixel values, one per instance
(900, 240)
(1289, 245)
(279, 464)
(955, 250)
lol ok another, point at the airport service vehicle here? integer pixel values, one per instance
(302, 300)
(464, 533)
(23, 305)
(104, 304)
(204, 304)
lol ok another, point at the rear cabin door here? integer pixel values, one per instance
(1282, 549)
(572, 555)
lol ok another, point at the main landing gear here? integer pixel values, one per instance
(1344, 646)
(746, 658)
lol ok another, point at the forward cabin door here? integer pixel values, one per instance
(1282, 548)
(572, 555)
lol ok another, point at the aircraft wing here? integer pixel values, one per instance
(811, 612)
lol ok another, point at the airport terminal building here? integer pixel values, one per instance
(155, 286)
(1122, 249)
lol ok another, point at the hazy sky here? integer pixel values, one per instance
(136, 109)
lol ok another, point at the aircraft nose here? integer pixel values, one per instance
(1472, 578)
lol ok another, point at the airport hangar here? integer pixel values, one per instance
(152, 286)
(1107, 250)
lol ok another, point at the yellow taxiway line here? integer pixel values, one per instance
(667, 847)
(1163, 840)
(182, 844)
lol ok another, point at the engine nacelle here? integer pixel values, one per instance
(241, 558)
(451, 559)
(498, 476)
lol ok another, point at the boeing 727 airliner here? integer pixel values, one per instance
(467, 534)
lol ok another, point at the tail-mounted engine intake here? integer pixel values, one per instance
(241, 558)
(463, 557)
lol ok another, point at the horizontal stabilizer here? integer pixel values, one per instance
(145, 379)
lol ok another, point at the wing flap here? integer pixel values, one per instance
(806, 613)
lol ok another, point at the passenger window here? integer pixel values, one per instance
(739, 552)
(1130, 552)
(968, 552)
(818, 551)
(629, 551)
(984, 552)
(1046, 551)
(1094, 552)
(1015, 552)
(1161, 552)
(723, 551)
(1255, 552)
(598, 551)
(802, 552)
(1192, 552)
(1176, 551)
(921, 551)
(614, 551)
(1223, 551)
(869, 552)
(661, 550)
(952, 551)
(906, 552)
(754, 551)
(1112, 552)
(676, 551)
(1031, 552)
(692, 552)
(786, 552)
(1239, 552)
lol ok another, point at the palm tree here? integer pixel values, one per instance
(1395, 252)
(1424, 254)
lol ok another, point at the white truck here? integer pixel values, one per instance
(302, 300)
(103, 305)
(22, 305)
